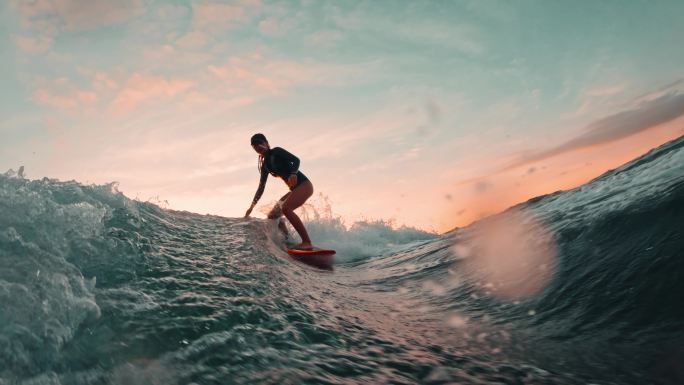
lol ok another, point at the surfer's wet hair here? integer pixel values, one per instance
(258, 139)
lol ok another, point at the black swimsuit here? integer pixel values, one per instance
(278, 162)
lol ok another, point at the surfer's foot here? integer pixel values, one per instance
(303, 246)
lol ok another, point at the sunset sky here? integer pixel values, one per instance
(431, 114)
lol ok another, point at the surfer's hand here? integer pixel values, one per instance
(292, 180)
(249, 211)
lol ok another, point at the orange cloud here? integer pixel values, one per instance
(615, 127)
(561, 172)
(141, 88)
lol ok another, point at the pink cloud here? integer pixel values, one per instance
(249, 74)
(273, 26)
(76, 14)
(141, 88)
(614, 127)
(216, 15)
(197, 98)
(33, 45)
(168, 57)
(269, 26)
(325, 38)
(103, 81)
(45, 96)
(86, 96)
(31, 9)
(94, 13)
(606, 90)
(194, 39)
(674, 87)
(42, 20)
(257, 74)
(62, 94)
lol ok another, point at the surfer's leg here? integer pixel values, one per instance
(277, 212)
(297, 198)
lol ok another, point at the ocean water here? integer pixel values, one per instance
(577, 287)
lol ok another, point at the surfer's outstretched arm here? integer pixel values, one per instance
(260, 190)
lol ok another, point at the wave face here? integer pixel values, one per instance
(575, 287)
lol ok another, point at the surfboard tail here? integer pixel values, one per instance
(320, 258)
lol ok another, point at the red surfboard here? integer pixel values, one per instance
(320, 258)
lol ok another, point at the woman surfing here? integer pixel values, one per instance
(278, 162)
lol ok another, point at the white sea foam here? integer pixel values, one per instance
(353, 242)
(44, 296)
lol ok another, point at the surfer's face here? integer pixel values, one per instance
(260, 148)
